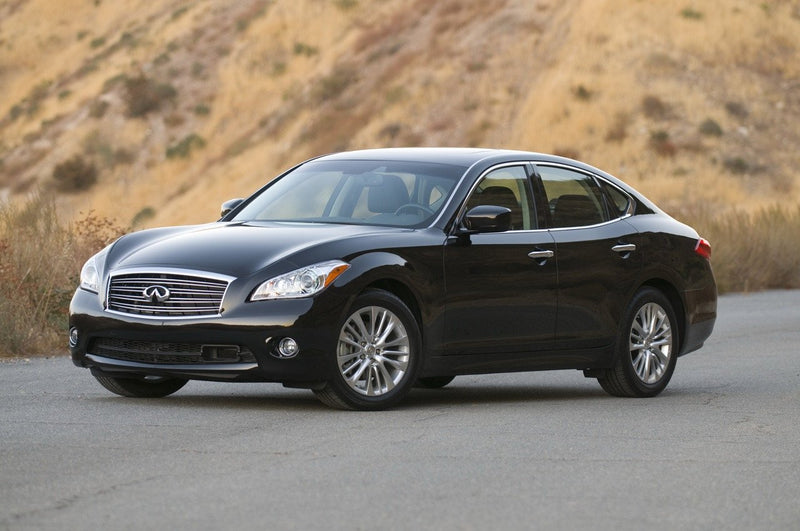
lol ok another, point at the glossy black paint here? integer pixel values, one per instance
(483, 304)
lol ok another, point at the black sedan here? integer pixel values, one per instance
(360, 275)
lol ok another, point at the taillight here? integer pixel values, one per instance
(703, 248)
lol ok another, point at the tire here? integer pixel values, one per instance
(647, 348)
(434, 382)
(141, 387)
(376, 357)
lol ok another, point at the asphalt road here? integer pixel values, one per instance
(719, 449)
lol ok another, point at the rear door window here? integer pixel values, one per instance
(574, 199)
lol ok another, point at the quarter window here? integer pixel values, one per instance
(619, 203)
(574, 199)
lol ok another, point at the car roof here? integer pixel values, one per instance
(469, 157)
(444, 155)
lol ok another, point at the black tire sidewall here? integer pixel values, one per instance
(139, 387)
(337, 383)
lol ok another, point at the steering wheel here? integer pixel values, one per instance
(416, 206)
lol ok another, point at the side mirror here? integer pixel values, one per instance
(229, 206)
(487, 218)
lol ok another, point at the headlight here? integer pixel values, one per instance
(90, 278)
(302, 282)
(90, 273)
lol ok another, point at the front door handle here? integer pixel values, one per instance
(624, 249)
(541, 256)
(538, 255)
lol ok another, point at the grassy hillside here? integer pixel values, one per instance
(144, 113)
(180, 105)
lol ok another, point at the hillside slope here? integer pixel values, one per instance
(181, 105)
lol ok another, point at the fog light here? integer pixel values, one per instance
(73, 337)
(288, 347)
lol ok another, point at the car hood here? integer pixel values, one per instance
(236, 249)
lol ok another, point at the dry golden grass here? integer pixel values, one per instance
(752, 251)
(622, 85)
(543, 76)
(40, 261)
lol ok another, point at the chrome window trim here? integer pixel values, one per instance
(535, 164)
(462, 208)
(167, 271)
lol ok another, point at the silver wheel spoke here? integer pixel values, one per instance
(650, 342)
(386, 377)
(361, 367)
(663, 358)
(401, 365)
(373, 351)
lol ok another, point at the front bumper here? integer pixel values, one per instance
(241, 345)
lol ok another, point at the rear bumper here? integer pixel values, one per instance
(701, 306)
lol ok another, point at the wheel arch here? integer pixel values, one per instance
(674, 297)
(402, 292)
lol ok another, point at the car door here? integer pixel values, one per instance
(501, 286)
(597, 251)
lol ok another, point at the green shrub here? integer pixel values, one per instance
(144, 215)
(582, 93)
(143, 95)
(98, 108)
(15, 112)
(185, 147)
(345, 5)
(736, 165)
(736, 109)
(690, 13)
(710, 127)
(661, 143)
(198, 69)
(333, 85)
(653, 107)
(74, 175)
(301, 48)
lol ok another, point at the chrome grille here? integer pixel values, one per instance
(186, 295)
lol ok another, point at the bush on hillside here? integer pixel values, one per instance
(74, 175)
(143, 95)
(40, 263)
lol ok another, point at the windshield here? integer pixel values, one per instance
(399, 194)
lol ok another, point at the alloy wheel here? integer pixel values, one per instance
(373, 351)
(650, 342)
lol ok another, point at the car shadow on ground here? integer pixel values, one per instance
(275, 397)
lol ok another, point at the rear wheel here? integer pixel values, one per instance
(376, 356)
(647, 348)
(141, 387)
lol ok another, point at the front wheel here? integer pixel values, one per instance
(647, 348)
(141, 387)
(376, 356)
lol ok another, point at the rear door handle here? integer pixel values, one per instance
(541, 256)
(624, 248)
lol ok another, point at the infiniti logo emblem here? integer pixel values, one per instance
(156, 293)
